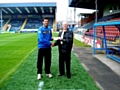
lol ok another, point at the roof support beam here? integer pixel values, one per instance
(42, 9)
(27, 9)
(4, 11)
(10, 10)
(18, 10)
(51, 10)
(35, 9)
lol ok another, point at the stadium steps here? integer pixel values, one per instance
(24, 24)
(116, 42)
(5, 26)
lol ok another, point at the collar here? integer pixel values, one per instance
(45, 27)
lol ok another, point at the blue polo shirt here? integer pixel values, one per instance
(44, 37)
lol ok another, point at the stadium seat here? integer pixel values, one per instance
(35, 23)
(16, 24)
(89, 26)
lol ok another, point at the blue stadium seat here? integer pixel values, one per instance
(16, 24)
(35, 23)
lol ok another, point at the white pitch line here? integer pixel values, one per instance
(72, 49)
(86, 68)
(40, 85)
(39, 88)
(76, 55)
(98, 84)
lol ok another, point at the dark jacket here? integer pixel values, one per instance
(67, 42)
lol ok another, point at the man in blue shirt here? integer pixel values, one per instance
(44, 48)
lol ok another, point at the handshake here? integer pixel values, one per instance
(55, 38)
(52, 45)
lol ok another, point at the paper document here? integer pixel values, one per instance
(56, 38)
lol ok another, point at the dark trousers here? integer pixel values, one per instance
(44, 53)
(64, 60)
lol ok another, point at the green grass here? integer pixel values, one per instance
(13, 50)
(55, 34)
(78, 43)
(25, 77)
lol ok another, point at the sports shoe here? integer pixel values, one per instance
(39, 76)
(49, 75)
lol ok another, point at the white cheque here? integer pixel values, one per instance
(56, 38)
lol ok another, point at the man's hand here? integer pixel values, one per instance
(52, 45)
(59, 38)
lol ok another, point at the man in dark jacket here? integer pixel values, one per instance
(64, 42)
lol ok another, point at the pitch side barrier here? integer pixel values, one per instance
(113, 51)
(28, 30)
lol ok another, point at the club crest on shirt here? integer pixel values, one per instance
(46, 32)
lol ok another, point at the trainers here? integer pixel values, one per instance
(49, 75)
(39, 76)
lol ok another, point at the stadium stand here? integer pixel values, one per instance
(106, 29)
(112, 32)
(16, 24)
(33, 23)
(51, 22)
(102, 19)
(4, 21)
(26, 17)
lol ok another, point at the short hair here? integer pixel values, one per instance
(46, 18)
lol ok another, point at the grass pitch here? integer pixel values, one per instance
(14, 48)
(25, 77)
(78, 43)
